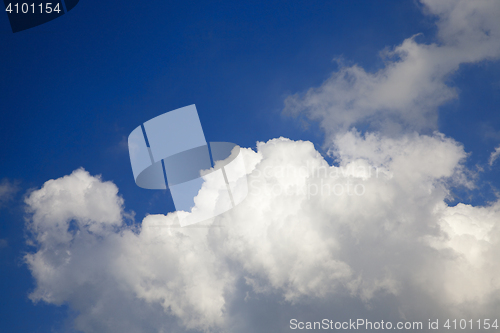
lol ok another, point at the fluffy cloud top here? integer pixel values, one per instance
(405, 94)
(297, 236)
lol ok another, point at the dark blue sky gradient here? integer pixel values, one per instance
(73, 89)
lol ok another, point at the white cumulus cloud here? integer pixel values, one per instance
(375, 224)
(374, 234)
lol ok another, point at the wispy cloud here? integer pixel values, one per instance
(494, 155)
(3, 243)
(406, 93)
(8, 190)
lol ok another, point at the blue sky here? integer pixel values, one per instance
(97, 74)
(74, 88)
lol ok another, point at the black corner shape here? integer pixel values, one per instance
(25, 14)
(70, 4)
